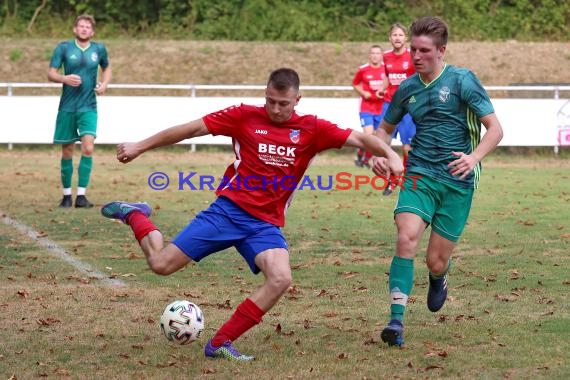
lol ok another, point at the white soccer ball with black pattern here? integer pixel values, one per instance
(182, 322)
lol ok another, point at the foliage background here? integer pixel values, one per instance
(282, 20)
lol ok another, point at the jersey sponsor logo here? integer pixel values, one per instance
(295, 136)
(261, 132)
(285, 151)
(444, 94)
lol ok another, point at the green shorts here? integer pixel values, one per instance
(444, 206)
(71, 126)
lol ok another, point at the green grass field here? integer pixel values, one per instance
(507, 315)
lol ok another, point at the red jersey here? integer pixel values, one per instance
(271, 158)
(372, 79)
(398, 68)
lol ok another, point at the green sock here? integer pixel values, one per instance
(401, 283)
(66, 169)
(84, 170)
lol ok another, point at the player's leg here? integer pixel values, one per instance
(66, 134)
(376, 119)
(448, 223)
(407, 130)
(274, 264)
(87, 128)
(366, 122)
(413, 214)
(265, 250)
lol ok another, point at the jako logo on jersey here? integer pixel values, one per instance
(295, 135)
(279, 150)
(260, 131)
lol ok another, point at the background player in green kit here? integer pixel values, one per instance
(77, 112)
(448, 105)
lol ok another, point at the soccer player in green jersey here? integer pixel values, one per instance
(77, 112)
(448, 105)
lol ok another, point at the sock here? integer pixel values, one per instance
(247, 315)
(367, 157)
(360, 154)
(67, 191)
(442, 275)
(66, 174)
(84, 170)
(401, 283)
(140, 224)
(81, 190)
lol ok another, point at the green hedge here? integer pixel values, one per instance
(280, 20)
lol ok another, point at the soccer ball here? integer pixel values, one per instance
(182, 322)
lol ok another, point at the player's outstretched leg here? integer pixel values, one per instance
(393, 334)
(120, 210)
(226, 350)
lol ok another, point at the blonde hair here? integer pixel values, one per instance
(87, 18)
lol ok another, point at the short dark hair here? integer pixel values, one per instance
(283, 79)
(87, 18)
(431, 26)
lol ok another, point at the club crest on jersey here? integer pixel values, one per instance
(295, 135)
(405, 65)
(94, 57)
(444, 94)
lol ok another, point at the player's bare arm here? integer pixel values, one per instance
(126, 152)
(465, 163)
(106, 74)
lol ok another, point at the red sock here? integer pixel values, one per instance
(367, 157)
(140, 224)
(247, 315)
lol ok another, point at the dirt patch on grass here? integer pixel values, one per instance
(229, 62)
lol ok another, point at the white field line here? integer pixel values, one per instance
(60, 252)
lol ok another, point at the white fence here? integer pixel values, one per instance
(31, 119)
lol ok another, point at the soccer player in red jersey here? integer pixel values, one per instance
(271, 143)
(368, 82)
(399, 67)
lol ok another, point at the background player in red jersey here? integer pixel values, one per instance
(271, 143)
(368, 82)
(398, 66)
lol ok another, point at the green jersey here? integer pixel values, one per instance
(446, 113)
(84, 62)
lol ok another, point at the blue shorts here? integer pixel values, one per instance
(406, 128)
(223, 225)
(367, 118)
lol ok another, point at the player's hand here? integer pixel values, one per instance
(126, 152)
(387, 167)
(366, 95)
(72, 80)
(100, 88)
(463, 165)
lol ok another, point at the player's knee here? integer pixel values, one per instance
(87, 150)
(281, 281)
(436, 265)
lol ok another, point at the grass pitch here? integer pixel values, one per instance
(507, 315)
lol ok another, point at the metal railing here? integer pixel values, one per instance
(192, 89)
